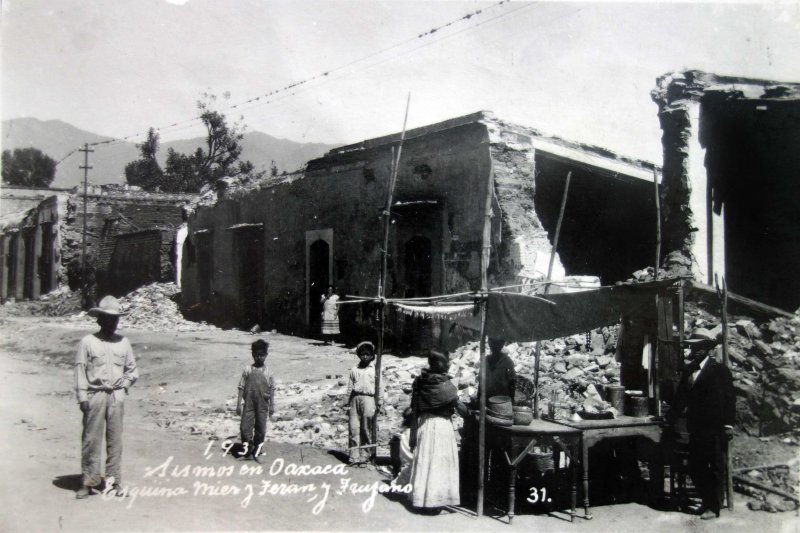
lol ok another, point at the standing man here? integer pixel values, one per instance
(707, 399)
(104, 370)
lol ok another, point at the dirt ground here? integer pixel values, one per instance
(192, 377)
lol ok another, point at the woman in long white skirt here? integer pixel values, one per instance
(434, 472)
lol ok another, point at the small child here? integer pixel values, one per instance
(361, 394)
(256, 400)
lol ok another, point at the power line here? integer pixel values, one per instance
(269, 97)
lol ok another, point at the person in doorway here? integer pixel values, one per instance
(104, 371)
(330, 315)
(361, 405)
(434, 471)
(256, 400)
(707, 399)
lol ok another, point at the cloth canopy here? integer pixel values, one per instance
(521, 318)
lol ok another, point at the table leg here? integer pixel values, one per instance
(512, 494)
(573, 489)
(585, 466)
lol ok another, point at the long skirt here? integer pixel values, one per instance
(434, 472)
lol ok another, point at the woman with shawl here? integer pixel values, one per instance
(434, 471)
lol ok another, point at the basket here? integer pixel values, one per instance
(603, 415)
(523, 390)
(543, 461)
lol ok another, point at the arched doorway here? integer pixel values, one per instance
(318, 281)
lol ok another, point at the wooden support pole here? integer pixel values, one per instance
(658, 225)
(484, 295)
(387, 216)
(538, 354)
(723, 302)
(85, 303)
(709, 232)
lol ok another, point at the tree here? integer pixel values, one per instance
(220, 158)
(28, 167)
(145, 171)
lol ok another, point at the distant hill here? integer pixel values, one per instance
(56, 139)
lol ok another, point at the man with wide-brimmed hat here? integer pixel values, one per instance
(707, 399)
(104, 370)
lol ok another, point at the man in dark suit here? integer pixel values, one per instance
(707, 399)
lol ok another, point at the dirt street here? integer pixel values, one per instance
(179, 479)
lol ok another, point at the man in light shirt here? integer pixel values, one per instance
(707, 397)
(104, 371)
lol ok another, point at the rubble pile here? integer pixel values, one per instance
(784, 478)
(60, 302)
(153, 307)
(765, 362)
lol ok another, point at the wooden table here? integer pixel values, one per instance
(593, 431)
(535, 433)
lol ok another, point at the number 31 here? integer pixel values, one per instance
(538, 495)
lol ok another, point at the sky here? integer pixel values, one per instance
(583, 71)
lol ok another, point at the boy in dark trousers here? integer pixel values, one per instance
(256, 400)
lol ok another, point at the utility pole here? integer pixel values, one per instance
(85, 168)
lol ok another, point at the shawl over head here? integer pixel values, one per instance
(434, 391)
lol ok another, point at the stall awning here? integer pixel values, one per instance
(521, 318)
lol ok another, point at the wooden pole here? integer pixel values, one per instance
(484, 296)
(723, 301)
(658, 225)
(538, 354)
(387, 216)
(84, 297)
(657, 267)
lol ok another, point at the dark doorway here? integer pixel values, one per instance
(418, 267)
(46, 281)
(30, 263)
(11, 266)
(205, 269)
(249, 244)
(318, 281)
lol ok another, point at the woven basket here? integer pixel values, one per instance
(543, 461)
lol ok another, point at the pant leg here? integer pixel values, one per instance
(367, 417)
(94, 421)
(701, 457)
(260, 430)
(115, 410)
(354, 428)
(247, 424)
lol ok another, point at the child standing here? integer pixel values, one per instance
(361, 393)
(256, 399)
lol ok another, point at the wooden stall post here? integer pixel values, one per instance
(538, 354)
(387, 215)
(723, 302)
(485, 251)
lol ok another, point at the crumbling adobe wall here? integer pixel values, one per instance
(524, 247)
(346, 192)
(107, 215)
(675, 94)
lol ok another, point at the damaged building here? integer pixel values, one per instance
(263, 253)
(132, 238)
(731, 181)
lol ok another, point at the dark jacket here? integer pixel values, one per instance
(709, 403)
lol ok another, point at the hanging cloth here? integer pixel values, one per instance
(436, 311)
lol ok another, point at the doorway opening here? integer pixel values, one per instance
(249, 250)
(318, 281)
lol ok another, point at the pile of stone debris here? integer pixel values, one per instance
(765, 361)
(60, 302)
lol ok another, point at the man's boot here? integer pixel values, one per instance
(83, 492)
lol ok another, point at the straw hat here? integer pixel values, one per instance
(499, 411)
(107, 306)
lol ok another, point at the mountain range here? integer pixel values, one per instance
(57, 139)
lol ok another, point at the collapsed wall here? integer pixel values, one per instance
(730, 179)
